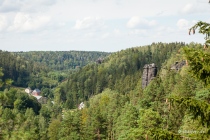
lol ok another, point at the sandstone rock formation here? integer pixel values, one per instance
(149, 72)
(178, 65)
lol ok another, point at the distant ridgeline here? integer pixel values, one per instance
(63, 60)
(120, 71)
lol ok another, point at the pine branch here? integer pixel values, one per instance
(198, 108)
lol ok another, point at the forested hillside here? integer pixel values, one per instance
(63, 60)
(21, 71)
(120, 71)
(43, 70)
(174, 106)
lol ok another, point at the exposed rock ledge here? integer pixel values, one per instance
(149, 73)
(178, 65)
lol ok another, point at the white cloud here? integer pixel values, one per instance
(89, 23)
(3, 23)
(53, 23)
(188, 8)
(164, 31)
(142, 32)
(25, 22)
(114, 34)
(105, 35)
(197, 7)
(117, 32)
(89, 35)
(133, 22)
(182, 24)
(45, 2)
(136, 22)
(9, 5)
(24, 5)
(37, 5)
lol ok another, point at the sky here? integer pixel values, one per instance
(97, 25)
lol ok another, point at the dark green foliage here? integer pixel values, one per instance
(199, 62)
(62, 60)
(70, 126)
(18, 100)
(166, 135)
(198, 108)
(120, 71)
(126, 122)
(53, 130)
(116, 107)
(42, 69)
(18, 69)
(203, 95)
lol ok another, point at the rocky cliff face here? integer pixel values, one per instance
(149, 72)
(178, 65)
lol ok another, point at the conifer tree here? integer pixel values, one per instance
(199, 61)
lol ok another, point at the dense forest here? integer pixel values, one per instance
(44, 70)
(174, 106)
(120, 71)
(63, 60)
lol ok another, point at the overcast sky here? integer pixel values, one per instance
(97, 25)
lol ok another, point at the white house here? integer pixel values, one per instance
(81, 106)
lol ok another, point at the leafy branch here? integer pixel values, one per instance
(198, 108)
(204, 28)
